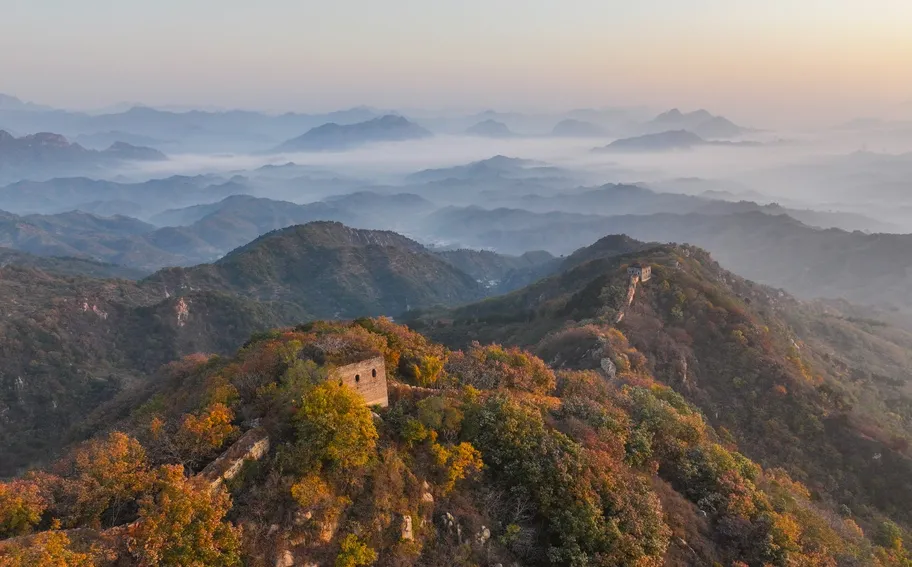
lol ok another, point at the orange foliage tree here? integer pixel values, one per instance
(199, 436)
(493, 366)
(101, 477)
(184, 524)
(21, 507)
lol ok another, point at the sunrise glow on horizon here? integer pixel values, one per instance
(748, 58)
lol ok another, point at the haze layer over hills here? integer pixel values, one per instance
(638, 337)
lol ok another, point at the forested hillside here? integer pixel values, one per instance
(796, 385)
(485, 456)
(69, 343)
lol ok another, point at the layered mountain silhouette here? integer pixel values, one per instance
(335, 137)
(497, 167)
(671, 140)
(491, 129)
(46, 153)
(570, 128)
(68, 193)
(699, 122)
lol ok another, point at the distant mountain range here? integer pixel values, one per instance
(699, 122)
(102, 140)
(570, 128)
(199, 233)
(497, 167)
(671, 140)
(491, 129)
(335, 137)
(777, 250)
(68, 193)
(180, 130)
(48, 154)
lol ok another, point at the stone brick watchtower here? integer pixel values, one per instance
(640, 271)
(367, 377)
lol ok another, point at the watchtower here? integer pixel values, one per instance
(640, 271)
(367, 377)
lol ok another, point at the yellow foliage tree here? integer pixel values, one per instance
(47, 549)
(334, 423)
(183, 524)
(21, 506)
(354, 553)
(456, 462)
(104, 475)
(201, 435)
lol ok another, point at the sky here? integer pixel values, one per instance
(751, 59)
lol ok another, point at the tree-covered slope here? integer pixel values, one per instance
(69, 343)
(819, 393)
(496, 459)
(331, 270)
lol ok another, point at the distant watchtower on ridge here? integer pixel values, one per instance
(367, 377)
(640, 271)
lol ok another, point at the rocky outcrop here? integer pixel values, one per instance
(407, 532)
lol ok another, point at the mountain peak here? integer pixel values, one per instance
(490, 128)
(332, 136)
(672, 115)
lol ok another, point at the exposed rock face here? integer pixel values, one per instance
(328, 530)
(182, 309)
(609, 368)
(452, 526)
(285, 559)
(483, 536)
(407, 533)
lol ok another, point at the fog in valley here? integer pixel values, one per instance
(781, 206)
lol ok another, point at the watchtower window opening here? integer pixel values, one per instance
(373, 372)
(357, 377)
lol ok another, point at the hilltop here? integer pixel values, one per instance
(48, 153)
(336, 137)
(72, 342)
(491, 129)
(330, 270)
(669, 140)
(571, 128)
(700, 122)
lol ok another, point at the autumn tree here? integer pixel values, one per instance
(493, 366)
(101, 478)
(334, 426)
(183, 523)
(201, 435)
(21, 507)
(52, 549)
(456, 462)
(354, 553)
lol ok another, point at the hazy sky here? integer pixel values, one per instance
(748, 58)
